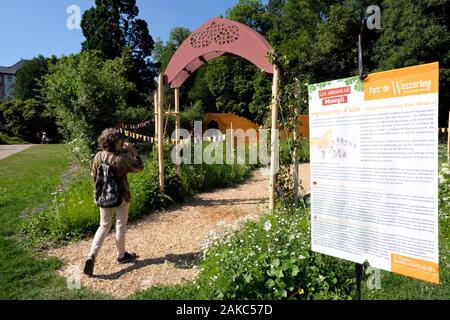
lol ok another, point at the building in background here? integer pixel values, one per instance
(8, 80)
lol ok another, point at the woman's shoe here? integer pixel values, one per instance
(89, 267)
(127, 257)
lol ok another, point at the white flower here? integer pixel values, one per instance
(267, 226)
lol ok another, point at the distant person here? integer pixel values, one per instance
(44, 137)
(122, 158)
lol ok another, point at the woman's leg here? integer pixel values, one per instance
(105, 226)
(121, 227)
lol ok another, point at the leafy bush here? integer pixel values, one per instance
(271, 259)
(24, 119)
(146, 196)
(286, 151)
(5, 139)
(88, 94)
(202, 177)
(444, 191)
(71, 213)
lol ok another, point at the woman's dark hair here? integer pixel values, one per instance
(107, 140)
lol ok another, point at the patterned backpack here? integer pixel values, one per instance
(107, 191)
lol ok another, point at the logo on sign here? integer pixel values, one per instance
(335, 95)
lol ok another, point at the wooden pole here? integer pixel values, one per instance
(274, 137)
(177, 127)
(156, 114)
(296, 143)
(160, 132)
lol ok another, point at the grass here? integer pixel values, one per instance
(27, 180)
(187, 291)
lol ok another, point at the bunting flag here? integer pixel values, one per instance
(135, 126)
(136, 136)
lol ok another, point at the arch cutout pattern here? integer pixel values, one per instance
(213, 39)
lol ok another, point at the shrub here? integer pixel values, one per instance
(71, 213)
(24, 119)
(271, 259)
(444, 191)
(88, 94)
(286, 151)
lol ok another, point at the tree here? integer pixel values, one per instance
(416, 33)
(28, 77)
(87, 94)
(164, 52)
(251, 13)
(24, 118)
(111, 27)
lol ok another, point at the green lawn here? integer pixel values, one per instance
(27, 180)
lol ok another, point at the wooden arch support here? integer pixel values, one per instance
(213, 39)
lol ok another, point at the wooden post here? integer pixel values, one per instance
(156, 102)
(274, 136)
(177, 127)
(296, 142)
(160, 132)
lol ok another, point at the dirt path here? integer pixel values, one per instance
(168, 242)
(8, 150)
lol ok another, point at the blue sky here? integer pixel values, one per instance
(33, 27)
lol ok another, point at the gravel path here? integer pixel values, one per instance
(8, 150)
(168, 242)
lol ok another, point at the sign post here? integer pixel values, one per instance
(374, 160)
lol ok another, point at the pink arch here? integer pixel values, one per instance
(213, 39)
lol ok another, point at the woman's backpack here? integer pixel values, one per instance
(107, 191)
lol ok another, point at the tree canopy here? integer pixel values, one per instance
(112, 27)
(315, 41)
(29, 76)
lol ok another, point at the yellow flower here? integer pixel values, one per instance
(301, 291)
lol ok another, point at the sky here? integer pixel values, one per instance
(33, 27)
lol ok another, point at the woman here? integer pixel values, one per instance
(123, 158)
